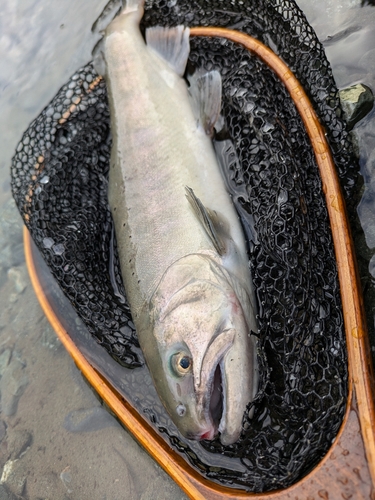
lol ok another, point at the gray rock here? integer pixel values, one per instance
(18, 441)
(18, 275)
(4, 360)
(49, 339)
(14, 477)
(357, 101)
(66, 478)
(12, 385)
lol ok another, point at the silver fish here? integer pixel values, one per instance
(181, 246)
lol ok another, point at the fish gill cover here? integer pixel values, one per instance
(59, 181)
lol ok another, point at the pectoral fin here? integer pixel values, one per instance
(210, 220)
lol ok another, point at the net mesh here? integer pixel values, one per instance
(59, 181)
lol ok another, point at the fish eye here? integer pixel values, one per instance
(182, 363)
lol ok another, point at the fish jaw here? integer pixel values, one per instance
(229, 379)
(238, 391)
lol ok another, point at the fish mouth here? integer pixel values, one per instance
(212, 407)
(217, 403)
(215, 396)
(211, 390)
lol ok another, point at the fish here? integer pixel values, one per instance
(181, 246)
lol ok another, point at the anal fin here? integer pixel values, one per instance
(209, 220)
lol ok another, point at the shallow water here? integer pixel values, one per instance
(56, 439)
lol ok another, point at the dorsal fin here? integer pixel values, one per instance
(209, 220)
(172, 44)
(205, 92)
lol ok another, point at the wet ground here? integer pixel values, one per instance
(56, 440)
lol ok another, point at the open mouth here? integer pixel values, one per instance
(216, 405)
(213, 381)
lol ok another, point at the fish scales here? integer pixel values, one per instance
(161, 152)
(159, 149)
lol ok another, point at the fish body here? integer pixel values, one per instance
(181, 247)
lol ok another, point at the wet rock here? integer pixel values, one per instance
(66, 478)
(50, 340)
(4, 360)
(12, 385)
(357, 101)
(18, 275)
(14, 477)
(18, 442)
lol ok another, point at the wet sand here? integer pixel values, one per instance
(57, 442)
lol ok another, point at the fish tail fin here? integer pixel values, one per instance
(205, 92)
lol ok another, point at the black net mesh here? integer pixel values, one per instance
(59, 180)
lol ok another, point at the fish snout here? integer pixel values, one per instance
(205, 434)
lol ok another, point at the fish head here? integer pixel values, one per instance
(200, 353)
